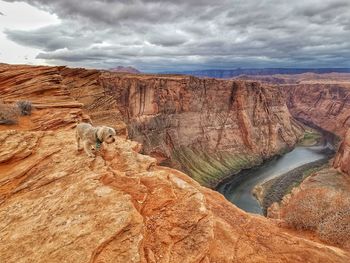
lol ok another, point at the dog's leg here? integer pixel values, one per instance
(87, 148)
(79, 148)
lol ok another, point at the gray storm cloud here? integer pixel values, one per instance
(156, 35)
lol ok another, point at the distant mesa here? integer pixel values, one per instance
(125, 70)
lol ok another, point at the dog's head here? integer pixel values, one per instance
(106, 134)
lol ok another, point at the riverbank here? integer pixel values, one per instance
(311, 137)
(238, 189)
(275, 189)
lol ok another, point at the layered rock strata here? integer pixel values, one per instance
(208, 128)
(58, 205)
(326, 106)
(342, 159)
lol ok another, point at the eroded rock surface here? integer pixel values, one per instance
(58, 205)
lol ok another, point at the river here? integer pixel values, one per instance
(239, 188)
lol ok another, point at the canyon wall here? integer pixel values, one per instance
(58, 205)
(324, 105)
(342, 159)
(208, 128)
(321, 203)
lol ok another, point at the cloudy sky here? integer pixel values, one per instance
(161, 35)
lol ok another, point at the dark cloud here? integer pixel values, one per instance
(2, 14)
(158, 35)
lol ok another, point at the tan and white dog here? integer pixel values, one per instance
(92, 137)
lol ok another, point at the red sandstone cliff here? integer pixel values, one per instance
(319, 99)
(208, 128)
(342, 159)
(58, 205)
(324, 105)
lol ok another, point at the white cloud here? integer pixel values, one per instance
(24, 17)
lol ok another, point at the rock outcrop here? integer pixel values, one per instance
(320, 204)
(43, 87)
(57, 205)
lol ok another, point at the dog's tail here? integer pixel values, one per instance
(83, 119)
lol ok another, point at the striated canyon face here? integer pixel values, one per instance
(208, 128)
(321, 100)
(342, 159)
(324, 105)
(56, 204)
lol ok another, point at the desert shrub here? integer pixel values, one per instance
(25, 107)
(335, 228)
(307, 209)
(8, 114)
(325, 211)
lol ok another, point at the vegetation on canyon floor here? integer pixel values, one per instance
(311, 137)
(274, 190)
(325, 211)
(210, 169)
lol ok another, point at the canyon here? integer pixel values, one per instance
(321, 203)
(58, 205)
(321, 100)
(206, 128)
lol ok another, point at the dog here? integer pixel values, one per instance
(92, 137)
